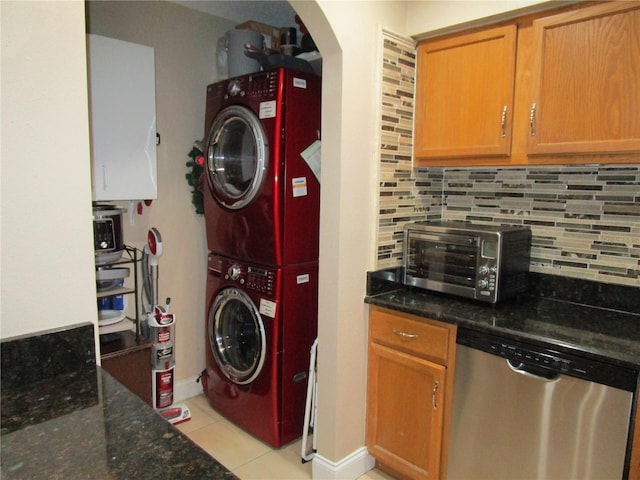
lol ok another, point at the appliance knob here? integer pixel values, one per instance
(234, 272)
(494, 269)
(483, 283)
(484, 270)
(234, 88)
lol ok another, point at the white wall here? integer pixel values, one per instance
(425, 17)
(347, 34)
(48, 278)
(185, 45)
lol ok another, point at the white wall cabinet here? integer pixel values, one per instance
(122, 99)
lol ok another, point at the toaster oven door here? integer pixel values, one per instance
(442, 262)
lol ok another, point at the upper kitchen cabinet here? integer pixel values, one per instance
(586, 81)
(568, 93)
(123, 119)
(464, 95)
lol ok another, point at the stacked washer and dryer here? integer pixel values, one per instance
(262, 206)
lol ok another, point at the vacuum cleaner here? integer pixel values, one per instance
(158, 328)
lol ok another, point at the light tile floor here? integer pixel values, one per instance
(247, 457)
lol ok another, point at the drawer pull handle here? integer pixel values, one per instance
(400, 333)
(433, 396)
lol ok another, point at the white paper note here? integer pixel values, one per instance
(312, 155)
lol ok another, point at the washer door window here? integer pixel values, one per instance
(237, 157)
(236, 336)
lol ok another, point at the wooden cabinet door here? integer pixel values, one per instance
(129, 362)
(405, 412)
(586, 84)
(464, 95)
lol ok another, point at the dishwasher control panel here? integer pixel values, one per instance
(547, 361)
(535, 357)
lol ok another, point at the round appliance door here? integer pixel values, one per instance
(237, 157)
(236, 336)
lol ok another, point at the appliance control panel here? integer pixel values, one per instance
(545, 361)
(258, 279)
(103, 234)
(261, 280)
(535, 357)
(262, 84)
(487, 274)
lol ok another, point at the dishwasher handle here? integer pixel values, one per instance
(531, 371)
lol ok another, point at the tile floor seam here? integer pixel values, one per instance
(252, 460)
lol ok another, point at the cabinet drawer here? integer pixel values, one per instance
(422, 337)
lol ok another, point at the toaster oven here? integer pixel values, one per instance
(484, 262)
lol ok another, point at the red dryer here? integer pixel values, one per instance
(262, 199)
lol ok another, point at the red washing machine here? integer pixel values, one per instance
(261, 324)
(262, 199)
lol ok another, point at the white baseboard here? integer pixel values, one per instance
(350, 467)
(186, 388)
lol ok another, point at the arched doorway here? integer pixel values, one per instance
(348, 35)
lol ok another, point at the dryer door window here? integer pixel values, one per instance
(237, 157)
(237, 336)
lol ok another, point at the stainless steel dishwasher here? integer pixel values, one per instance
(524, 412)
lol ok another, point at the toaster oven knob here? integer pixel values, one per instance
(483, 283)
(484, 270)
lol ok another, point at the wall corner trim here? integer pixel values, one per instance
(350, 467)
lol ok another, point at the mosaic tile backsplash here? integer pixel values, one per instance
(585, 219)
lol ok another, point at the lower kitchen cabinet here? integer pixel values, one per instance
(409, 393)
(129, 361)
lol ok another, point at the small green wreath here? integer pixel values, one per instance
(196, 164)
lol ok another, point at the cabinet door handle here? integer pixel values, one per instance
(532, 120)
(105, 181)
(433, 396)
(400, 333)
(503, 121)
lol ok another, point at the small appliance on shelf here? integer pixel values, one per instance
(113, 259)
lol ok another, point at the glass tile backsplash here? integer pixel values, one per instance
(585, 219)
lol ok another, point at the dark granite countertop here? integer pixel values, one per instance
(64, 417)
(611, 335)
(87, 425)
